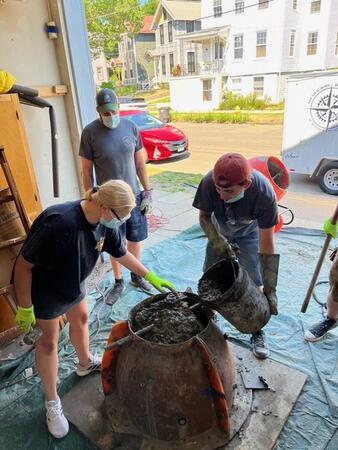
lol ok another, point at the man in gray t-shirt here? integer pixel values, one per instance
(112, 147)
(237, 205)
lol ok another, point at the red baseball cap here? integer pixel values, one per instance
(231, 169)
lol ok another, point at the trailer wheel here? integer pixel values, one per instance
(328, 178)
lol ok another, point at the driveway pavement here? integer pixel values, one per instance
(209, 141)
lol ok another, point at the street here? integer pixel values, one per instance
(208, 141)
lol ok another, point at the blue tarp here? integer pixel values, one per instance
(313, 422)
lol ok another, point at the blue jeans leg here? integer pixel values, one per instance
(248, 256)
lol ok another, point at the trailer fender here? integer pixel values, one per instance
(322, 163)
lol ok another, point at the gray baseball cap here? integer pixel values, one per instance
(106, 100)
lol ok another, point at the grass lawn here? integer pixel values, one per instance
(154, 96)
(173, 181)
(272, 118)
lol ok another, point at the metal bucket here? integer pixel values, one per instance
(227, 288)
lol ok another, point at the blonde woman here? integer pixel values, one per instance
(60, 251)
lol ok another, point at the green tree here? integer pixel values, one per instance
(107, 20)
(149, 7)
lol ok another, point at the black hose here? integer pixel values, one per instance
(314, 294)
(17, 89)
(41, 103)
(287, 210)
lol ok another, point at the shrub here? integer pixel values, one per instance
(119, 90)
(235, 117)
(236, 101)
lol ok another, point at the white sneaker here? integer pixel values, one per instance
(93, 365)
(56, 421)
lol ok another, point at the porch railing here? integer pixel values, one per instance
(201, 68)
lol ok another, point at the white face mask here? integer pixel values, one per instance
(111, 121)
(235, 199)
(114, 222)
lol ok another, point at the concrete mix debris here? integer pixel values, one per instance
(173, 322)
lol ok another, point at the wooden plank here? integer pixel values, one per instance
(14, 140)
(56, 90)
(6, 199)
(12, 242)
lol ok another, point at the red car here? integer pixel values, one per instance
(163, 143)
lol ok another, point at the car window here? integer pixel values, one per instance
(131, 100)
(145, 121)
(124, 99)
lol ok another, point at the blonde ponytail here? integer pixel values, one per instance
(115, 194)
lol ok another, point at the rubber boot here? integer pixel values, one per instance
(269, 270)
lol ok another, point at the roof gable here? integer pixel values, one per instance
(178, 10)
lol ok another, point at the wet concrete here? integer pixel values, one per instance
(173, 321)
(212, 291)
(228, 289)
(217, 281)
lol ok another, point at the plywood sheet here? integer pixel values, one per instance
(13, 139)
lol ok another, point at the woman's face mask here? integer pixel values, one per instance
(114, 222)
(111, 121)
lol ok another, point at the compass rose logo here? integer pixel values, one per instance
(324, 107)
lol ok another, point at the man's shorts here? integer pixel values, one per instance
(135, 229)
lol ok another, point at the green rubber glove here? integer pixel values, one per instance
(25, 318)
(329, 228)
(159, 283)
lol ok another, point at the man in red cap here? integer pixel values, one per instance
(237, 205)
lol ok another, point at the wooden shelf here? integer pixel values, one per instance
(56, 90)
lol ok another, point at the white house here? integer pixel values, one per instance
(134, 51)
(172, 19)
(252, 45)
(100, 69)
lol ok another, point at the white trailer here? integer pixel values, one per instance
(310, 134)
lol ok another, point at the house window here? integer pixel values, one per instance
(219, 50)
(236, 84)
(315, 6)
(217, 8)
(238, 46)
(239, 6)
(261, 44)
(170, 31)
(207, 90)
(163, 65)
(161, 34)
(131, 73)
(336, 51)
(312, 40)
(171, 63)
(190, 26)
(292, 43)
(262, 4)
(295, 4)
(258, 86)
(99, 71)
(191, 62)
